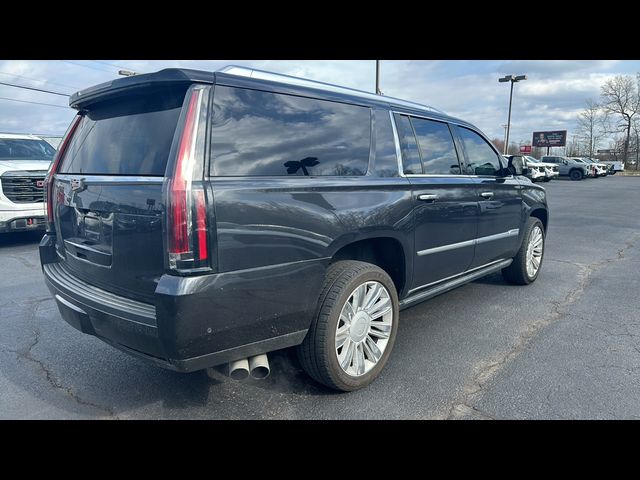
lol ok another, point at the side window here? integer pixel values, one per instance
(436, 147)
(256, 133)
(410, 153)
(481, 158)
(386, 163)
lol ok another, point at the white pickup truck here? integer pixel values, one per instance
(614, 166)
(24, 161)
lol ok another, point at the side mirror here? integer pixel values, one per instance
(517, 166)
(565, 162)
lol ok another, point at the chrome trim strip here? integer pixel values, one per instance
(436, 119)
(454, 276)
(444, 248)
(440, 175)
(97, 179)
(468, 243)
(396, 140)
(498, 236)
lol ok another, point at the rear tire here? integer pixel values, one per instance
(366, 340)
(520, 272)
(575, 175)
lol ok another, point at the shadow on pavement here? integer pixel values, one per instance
(16, 239)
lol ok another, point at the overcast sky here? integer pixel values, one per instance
(550, 99)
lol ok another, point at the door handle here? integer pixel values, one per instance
(427, 197)
(486, 194)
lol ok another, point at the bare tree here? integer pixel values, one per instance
(499, 144)
(636, 140)
(621, 97)
(592, 126)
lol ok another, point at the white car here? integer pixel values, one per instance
(614, 166)
(533, 173)
(24, 161)
(601, 169)
(550, 169)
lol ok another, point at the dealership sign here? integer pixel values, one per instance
(525, 148)
(557, 138)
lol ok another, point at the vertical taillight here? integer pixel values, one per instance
(53, 168)
(187, 233)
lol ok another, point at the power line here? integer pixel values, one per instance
(36, 80)
(33, 88)
(111, 64)
(35, 103)
(87, 66)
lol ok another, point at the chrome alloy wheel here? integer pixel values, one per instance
(363, 329)
(534, 251)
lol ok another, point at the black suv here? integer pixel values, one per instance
(198, 219)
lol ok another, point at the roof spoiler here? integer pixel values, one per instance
(123, 86)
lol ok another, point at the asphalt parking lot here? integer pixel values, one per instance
(566, 347)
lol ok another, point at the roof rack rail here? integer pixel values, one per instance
(303, 82)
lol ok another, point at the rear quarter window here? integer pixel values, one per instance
(256, 133)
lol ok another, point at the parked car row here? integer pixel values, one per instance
(552, 166)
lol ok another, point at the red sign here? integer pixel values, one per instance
(525, 148)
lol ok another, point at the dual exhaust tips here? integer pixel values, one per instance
(257, 367)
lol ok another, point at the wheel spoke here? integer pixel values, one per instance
(373, 352)
(381, 308)
(346, 356)
(358, 296)
(342, 335)
(358, 360)
(348, 309)
(372, 297)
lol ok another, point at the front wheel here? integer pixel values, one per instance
(352, 334)
(575, 175)
(527, 263)
(547, 179)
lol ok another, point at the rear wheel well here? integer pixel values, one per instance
(387, 253)
(542, 215)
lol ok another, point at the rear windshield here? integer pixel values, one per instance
(25, 149)
(128, 136)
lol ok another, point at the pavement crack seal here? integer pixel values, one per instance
(462, 407)
(27, 354)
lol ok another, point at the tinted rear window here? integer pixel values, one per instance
(128, 136)
(259, 133)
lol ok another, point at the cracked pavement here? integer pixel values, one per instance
(565, 347)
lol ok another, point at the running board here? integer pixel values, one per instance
(453, 283)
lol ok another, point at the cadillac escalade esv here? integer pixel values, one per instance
(198, 219)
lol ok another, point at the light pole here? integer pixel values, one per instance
(378, 92)
(513, 79)
(505, 137)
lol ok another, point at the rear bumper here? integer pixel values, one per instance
(195, 322)
(21, 220)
